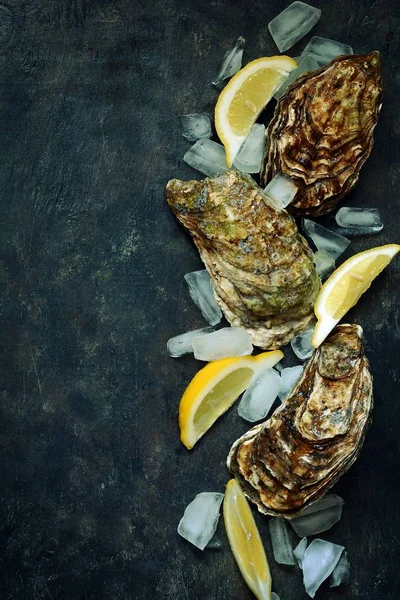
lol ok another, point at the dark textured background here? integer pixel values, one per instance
(93, 478)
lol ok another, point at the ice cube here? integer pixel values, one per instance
(281, 545)
(206, 156)
(319, 561)
(196, 126)
(224, 343)
(325, 239)
(301, 344)
(325, 50)
(341, 573)
(260, 395)
(324, 263)
(182, 344)
(200, 519)
(231, 63)
(299, 551)
(290, 377)
(359, 221)
(249, 157)
(274, 596)
(292, 24)
(319, 517)
(281, 190)
(307, 63)
(202, 294)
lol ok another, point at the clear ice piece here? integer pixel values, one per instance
(341, 573)
(319, 517)
(182, 344)
(224, 343)
(281, 190)
(324, 263)
(206, 156)
(249, 157)
(274, 596)
(202, 294)
(231, 63)
(319, 561)
(292, 24)
(307, 63)
(281, 545)
(324, 50)
(359, 221)
(260, 395)
(301, 344)
(299, 552)
(325, 239)
(196, 126)
(290, 377)
(200, 519)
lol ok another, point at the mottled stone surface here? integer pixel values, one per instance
(93, 477)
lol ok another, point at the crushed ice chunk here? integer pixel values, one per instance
(281, 190)
(325, 239)
(307, 63)
(202, 294)
(292, 24)
(299, 551)
(249, 157)
(231, 63)
(324, 263)
(324, 50)
(301, 344)
(196, 126)
(260, 395)
(359, 221)
(290, 377)
(319, 517)
(319, 561)
(206, 156)
(281, 545)
(224, 343)
(341, 573)
(200, 519)
(274, 596)
(182, 344)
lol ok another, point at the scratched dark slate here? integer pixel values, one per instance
(93, 478)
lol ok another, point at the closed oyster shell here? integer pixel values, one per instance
(291, 460)
(322, 131)
(261, 268)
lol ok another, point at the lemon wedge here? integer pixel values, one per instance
(245, 96)
(345, 286)
(245, 542)
(214, 389)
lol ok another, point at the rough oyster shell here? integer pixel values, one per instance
(260, 266)
(292, 459)
(322, 131)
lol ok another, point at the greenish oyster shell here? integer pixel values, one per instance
(322, 131)
(288, 462)
(261, 268)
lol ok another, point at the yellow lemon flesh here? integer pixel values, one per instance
(214, 389)
(245, 96)
(346, 285)
(245, 542)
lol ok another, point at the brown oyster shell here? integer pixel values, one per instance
(322, 131)
(291, 460)
(261, 268)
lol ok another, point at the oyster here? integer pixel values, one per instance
(292, 459)
(322, 131)
(261, 268)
